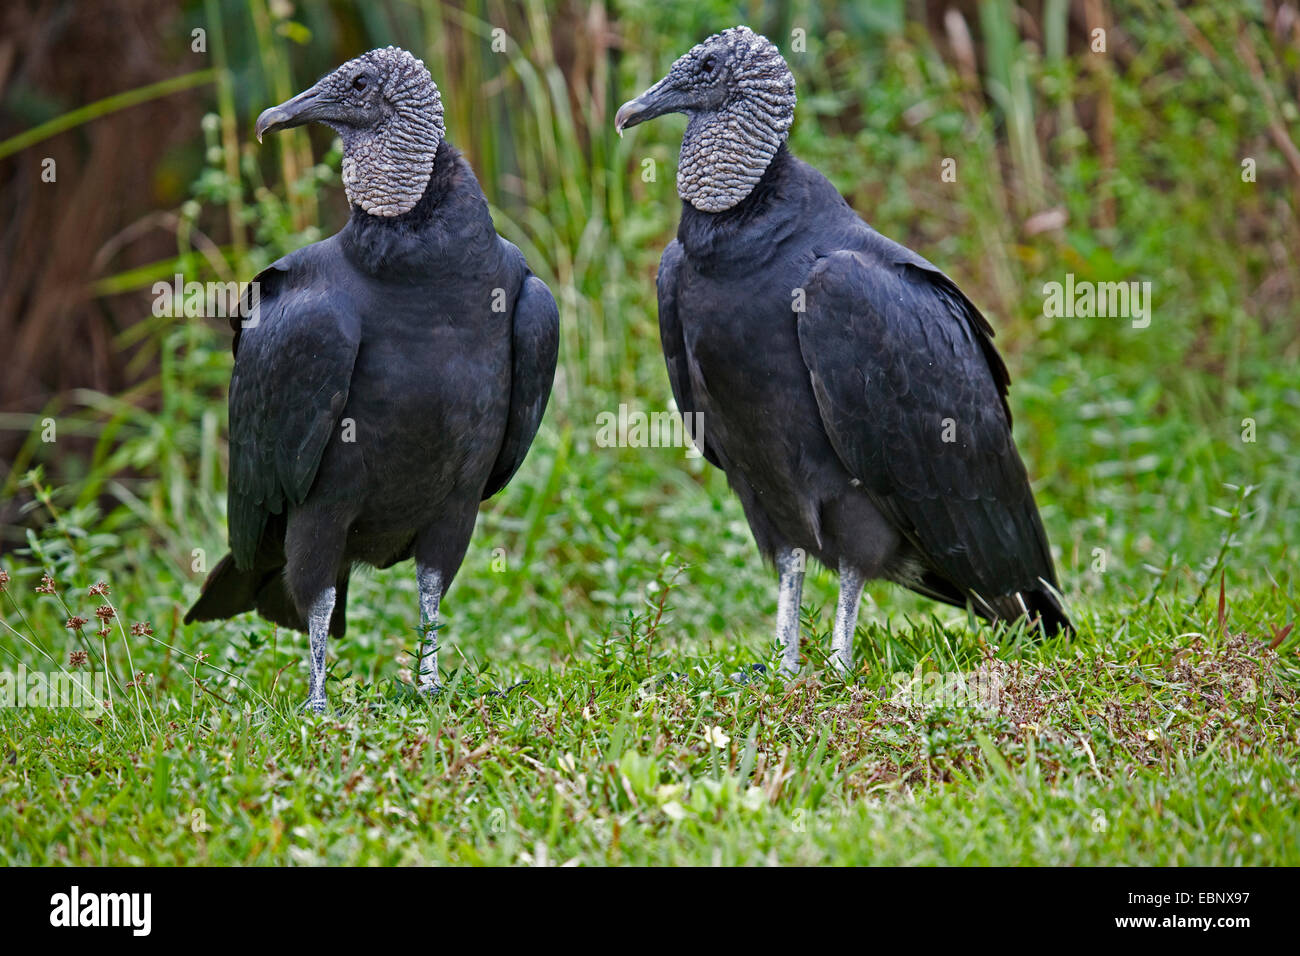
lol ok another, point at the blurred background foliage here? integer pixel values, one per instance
(1122, 165)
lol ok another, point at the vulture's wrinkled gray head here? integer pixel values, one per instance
(738, 93)
(388, 111)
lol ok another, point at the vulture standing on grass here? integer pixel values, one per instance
(390, 378)
(849, 390)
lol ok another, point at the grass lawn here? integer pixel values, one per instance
(1165, 732)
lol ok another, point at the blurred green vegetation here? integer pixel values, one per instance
(1123, 165)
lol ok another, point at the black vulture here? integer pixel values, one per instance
(847, 387)
(390, 378)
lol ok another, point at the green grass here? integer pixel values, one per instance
(609, 593)
(1136, 744)
(588, 695)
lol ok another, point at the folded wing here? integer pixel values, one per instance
(913, 396)
(535, 345)
(294, 357)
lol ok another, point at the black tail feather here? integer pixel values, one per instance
(1042, 604)
(1039, 606)
(1046, 606)
(229, 591)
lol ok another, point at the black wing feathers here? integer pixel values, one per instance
(913, 397)
(535, 346)
(670, 337)
(288, 390)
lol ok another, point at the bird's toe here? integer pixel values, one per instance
(754, 675)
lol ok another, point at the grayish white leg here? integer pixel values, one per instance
(430, 584)
(790, 564)
(318, 629)
(846, 616)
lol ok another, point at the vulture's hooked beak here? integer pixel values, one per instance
(663, 97)
(308, 106)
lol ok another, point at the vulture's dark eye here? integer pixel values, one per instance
(708, 65)
(360, 82)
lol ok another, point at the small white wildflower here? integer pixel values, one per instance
(667, 793)
(674, 810)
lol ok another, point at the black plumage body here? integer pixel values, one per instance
(853, 396)
(396, 376)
